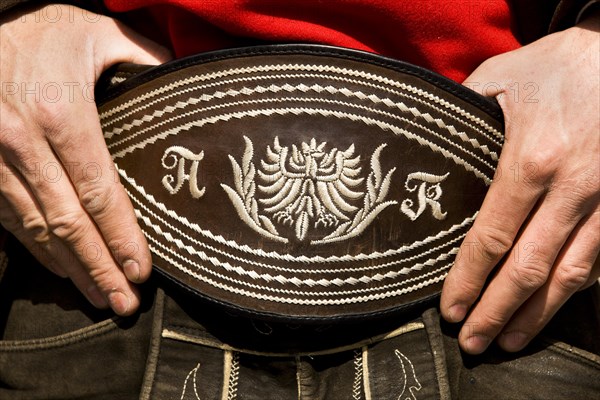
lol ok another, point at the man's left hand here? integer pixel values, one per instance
(536, 239)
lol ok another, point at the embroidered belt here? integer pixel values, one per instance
(301, 182)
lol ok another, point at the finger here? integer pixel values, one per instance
(67, 220)
(505, 208)
(572, 270)
(14, 224)
(20, 212)
(22, 217)
(53, 255)
(524, 271)
(594, 275)
(479, 80)
(102, 195)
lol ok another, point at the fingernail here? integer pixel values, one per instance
(132, 270)
(96, 298)
(513, 341)
(477, 344)
(457, 313)
(119, 302)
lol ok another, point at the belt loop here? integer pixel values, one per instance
(365, 364)
(154, 350)
(431, 318)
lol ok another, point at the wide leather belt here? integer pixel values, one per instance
(301, 182)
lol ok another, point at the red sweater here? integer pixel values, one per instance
(450, 37)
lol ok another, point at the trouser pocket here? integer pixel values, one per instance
(554, 366)
(56, 346)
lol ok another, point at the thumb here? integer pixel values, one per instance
(486, 79)
(121, 44)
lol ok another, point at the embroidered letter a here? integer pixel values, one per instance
(175, 158)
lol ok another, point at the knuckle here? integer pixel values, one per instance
(12, 137)
(104, 277)
(470, 286)
(578, 192)
(97, 200)
(37, 229)
(54, 121)
(528, 277)
(571, 277)
(124, 248)
(589, 178)
(70, 227)
(52, 115)
(491, 320)
(494, 242)
(540, 167)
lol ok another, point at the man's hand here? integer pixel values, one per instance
(540, 222)
(59, 193)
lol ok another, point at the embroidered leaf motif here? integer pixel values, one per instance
(237, 175)
(385, 186)
(247, 157)
(309, 188)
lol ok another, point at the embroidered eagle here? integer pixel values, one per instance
(309, 186)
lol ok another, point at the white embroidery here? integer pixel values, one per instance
(243, 199)
(308, 188)
(358, 375)
(410, 381)
(409, 134)
(175, 158)
(428, 195)
(207, 98)
(301, 300)
(427, 243)
(234, 373)
(117, 79)
(332, 284)
(201, 272)
(424, 97)
(191, 376)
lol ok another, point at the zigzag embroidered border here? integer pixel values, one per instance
(204, 131)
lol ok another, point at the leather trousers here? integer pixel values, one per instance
(55, 346)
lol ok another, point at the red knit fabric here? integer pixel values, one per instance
(450, 37)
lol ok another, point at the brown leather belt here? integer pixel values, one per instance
(301, 182)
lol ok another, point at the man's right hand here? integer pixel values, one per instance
(59, 192)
